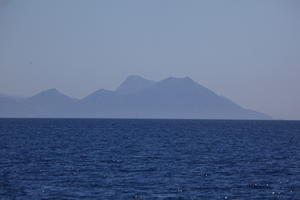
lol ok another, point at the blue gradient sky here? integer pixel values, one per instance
(248, 51)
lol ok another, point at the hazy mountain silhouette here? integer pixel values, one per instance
(50, 96)
(136, 97)
(51, 103)
(99, 96)
(134, 84)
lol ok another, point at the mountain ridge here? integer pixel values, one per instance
(136, 97)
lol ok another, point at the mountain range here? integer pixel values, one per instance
(136, 97)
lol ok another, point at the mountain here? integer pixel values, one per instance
(99, 96)
(52, 103)
(136, 97)
(134, 84)
(175, 98)
(52, 96)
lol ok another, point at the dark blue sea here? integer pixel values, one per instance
(149, 159)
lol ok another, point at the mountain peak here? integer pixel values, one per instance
(52, 93)
(49, 92)
(134, 77)
(99, 94)
(181, 81)
(134, 83)
(172, 78)
(188, 78)
(103, 91)
(52, 90)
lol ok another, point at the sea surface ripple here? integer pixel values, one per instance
(149, 159)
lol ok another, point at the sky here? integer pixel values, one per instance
(248, 51)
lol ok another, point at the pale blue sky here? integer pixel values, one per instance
(248, 51)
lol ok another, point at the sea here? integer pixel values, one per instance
(151, 159)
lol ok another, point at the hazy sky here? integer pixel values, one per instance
(248, 51)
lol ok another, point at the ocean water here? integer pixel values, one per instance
(149, 159)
